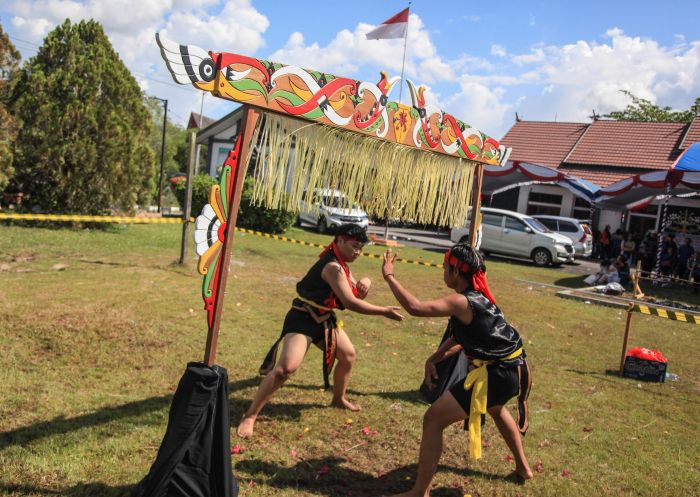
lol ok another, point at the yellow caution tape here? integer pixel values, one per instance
(175, 220)
(665, 313)
(92, 219)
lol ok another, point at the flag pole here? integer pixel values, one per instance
(403, 66)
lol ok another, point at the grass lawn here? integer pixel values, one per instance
(96, 328)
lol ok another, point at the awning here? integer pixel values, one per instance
(515, 174)
(682, 179)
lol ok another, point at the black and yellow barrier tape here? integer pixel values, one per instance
(92, 219)
(665, 313)
(176, 220)
(301, 242)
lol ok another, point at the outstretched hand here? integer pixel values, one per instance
(388, 263)
(392, 312)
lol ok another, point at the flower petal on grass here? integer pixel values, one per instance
(366, 430)
(236, 449)
(565, 473)
(538, 466)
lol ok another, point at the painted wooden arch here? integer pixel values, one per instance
(347, 103)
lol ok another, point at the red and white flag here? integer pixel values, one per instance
(394, 27)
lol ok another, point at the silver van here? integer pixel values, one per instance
(511, 233)
(577, 230)
(327, 209)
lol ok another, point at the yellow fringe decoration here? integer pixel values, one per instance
(295, 156)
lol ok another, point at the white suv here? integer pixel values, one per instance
(327, 209)
(515, 234)
(573, 228)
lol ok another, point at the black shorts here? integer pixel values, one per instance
(301, 322)
(503, 386)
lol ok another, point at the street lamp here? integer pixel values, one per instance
(162, 151)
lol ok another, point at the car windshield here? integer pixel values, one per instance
(339, 202)
(536, 225)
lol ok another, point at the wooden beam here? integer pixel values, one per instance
(476, 203)
(248, 123)
(625, 340)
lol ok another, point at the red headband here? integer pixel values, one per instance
(451, 260)
(479, 282)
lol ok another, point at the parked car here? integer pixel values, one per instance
(515, 234)
(579, 232)
(327, 209)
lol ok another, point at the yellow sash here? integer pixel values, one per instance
(478, 381)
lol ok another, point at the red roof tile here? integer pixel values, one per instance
(629, 144)
(693, 133)
(544, 143)
(598, 175)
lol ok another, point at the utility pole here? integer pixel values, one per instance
(188, 199)
(162, 152)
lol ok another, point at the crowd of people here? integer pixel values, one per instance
(620, 250)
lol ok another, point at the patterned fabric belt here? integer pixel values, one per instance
(478, 381)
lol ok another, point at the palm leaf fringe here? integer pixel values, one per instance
(295, 156)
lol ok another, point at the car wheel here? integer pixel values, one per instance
(541, 257)
(321, 226)
(297, 222)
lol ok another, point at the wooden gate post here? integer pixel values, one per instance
(476, 203)
(248, 122)
(626, 339)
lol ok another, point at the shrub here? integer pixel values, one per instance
(256, 217)
(201, 186)
(250, 216)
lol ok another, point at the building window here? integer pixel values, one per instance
(544, 203)
(582, 209)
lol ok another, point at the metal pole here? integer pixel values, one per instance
(188, 199)
(660, 238)
(403, 65)
(162, 154)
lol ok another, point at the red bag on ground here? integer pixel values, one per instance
(647, 354)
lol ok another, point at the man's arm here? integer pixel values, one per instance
(334, 275)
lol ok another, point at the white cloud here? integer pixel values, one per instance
(479, 105)
(573, 79)
(349, 52)
(498, 51)
(131, 26)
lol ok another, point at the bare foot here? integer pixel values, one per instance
(245, 428)
(520, 475)
(344, 403)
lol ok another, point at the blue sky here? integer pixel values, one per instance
(543, 60)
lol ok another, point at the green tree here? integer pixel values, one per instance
(642, 109)
(83, 140)
(9, 69)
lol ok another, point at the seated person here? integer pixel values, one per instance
(623, 270)
(668, 261)
(607, 274)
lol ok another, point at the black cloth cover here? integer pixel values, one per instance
(194, 459)
(449, 371)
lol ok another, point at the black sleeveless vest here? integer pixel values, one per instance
(488, 336)
(312, 287)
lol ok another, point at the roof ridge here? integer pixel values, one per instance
(571, 151)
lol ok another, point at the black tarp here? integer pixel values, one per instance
(194, 459)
